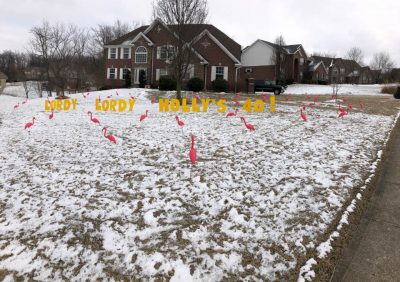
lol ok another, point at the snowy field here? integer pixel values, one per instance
(74, 206)
(344, 89)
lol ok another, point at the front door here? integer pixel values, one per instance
(137, 74)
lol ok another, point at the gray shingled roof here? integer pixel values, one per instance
(190, 32)
(289, 49)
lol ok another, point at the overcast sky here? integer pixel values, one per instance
(325, 25)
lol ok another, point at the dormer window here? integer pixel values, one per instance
(141, 55)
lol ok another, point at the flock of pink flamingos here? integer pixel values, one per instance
(192, 152)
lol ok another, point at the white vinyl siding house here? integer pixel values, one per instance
(258, 54)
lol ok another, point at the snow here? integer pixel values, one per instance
(75, 206)
(344, 89)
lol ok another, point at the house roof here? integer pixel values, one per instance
(2, 75)
(190, 31)
(289, 49)
(350, 64)
(129, 36)
(326, 60)
(315, 64)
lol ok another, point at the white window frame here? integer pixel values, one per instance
(123, 53)
(189, 72)
(109, 73)
(122, 73)
(170, 49)
(136, 73)
(141, 53)
(111, 53)
(214, 72)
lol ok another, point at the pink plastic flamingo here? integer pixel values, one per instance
(232, 114)
(95, 120)
(180, 123)
(109, 136)
(142, 117)
(248, 125)
(29, 124)
(192, 153)
(303, 115)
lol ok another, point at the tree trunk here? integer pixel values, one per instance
(178, 91)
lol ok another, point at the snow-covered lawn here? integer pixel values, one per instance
(344, 89)
(74, 206)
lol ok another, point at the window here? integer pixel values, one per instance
(342, 70)
(113, 53)
(219, 73)
(161, 72)
(141, 55)
(112, 73)
(165, 52)
(190, 72)
(126, 53)
(301, 61)
(123, 73)
(335, 71)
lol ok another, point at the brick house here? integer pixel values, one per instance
(148, 49)
(316, 72)
(342, 70)
(363, 75)
(258, 62)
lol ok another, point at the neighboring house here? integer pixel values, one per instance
(148, 50)
(316, 72)
(3, 79)
(362, 75)
(34, 73)
(258, 61)
(342, 70)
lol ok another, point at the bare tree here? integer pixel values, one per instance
(180, 13)
(355, 54)
(382, 61)
(335, 90)
(56, 45)
(278, 58)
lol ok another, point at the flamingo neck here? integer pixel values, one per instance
(33, 121)
(105, 131)
(192, 143)
(90, 113)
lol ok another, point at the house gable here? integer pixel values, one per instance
(207, 34)
(258, 54)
